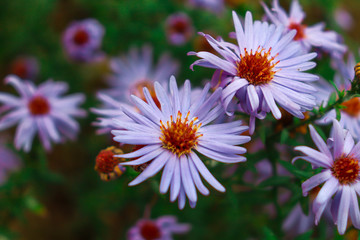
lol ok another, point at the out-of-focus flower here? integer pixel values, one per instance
(107, 165)
(40, 110)
(265, 68)
(305, 35)
(350, 114)
(25, 67)
(215, 6)
(179, 28)
(9, 162)
(133, 72)
(340, 176)
(161, 228)
(82, 40)
(343, 18)
(171, 135)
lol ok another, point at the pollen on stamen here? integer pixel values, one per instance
(256, 67)
(346, 169)
(39, 105)
(180, 136)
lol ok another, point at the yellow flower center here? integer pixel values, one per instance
(346, 169)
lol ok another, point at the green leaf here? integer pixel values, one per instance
(284, 136)
(338, 114)
(305, 236)
(332, 98)
(295, 171)
(275, 181)
(268, 234)
(34, 205)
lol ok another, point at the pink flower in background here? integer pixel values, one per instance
(9, 162)
(40, 110)
(161, 228)
(215, 6)
(343, 18)
(179, 28)
(25, 67)
(82, 40)
(307, 36)
(340, 176)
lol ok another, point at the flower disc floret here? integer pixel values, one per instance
(257, 67)
(346, 169)
(150, 231)
(352, 107)
(39, 105)
(180, 136)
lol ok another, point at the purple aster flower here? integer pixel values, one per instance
(40, 110)
(9, 162)
(25, 67)
(133, 72)
(343, 18)
(174, 134)
(82, 40)
(179, 28)
(265, 68)
(340, 176)
(161, 228)
(307, 36)
(215, 6)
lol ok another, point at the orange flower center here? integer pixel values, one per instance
(39, 105)
(150, 231)
(181, 135)
(81, 37)
(20, 69)
(138, 91)
(300, 30)
(180, 26)
(352, 107)
(256, 67)
(346, 169)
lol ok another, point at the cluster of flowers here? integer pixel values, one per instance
(169, 126)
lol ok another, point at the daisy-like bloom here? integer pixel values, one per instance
(340, 175)
(131, 74)
(173, 135)
(161, 228)
(40, 110)
(9, 162)
(265, 68)
(179, 29)
(350, 114)
(215, 6)
(107, 165)
(25, 67)
(307, 36)
(82, 40)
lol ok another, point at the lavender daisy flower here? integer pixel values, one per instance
(313, 36)
(25, 67)
(40, 110)
(82, 40)
(179, 28)
(265, 68)
(161, 228)
(340, 176)
(133, 72)
(9, 162)
(174, 134)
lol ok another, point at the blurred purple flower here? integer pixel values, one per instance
(25, 67)
(161, 228)
(40, 109)
(343, 18)
(133, 72)
(265, 68)
(215, 6)
(306, 36)
(9, 162)
(82, 40)
(172, 133)
(340, 176)
(179, 28)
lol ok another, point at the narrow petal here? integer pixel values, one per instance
(315, 181)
